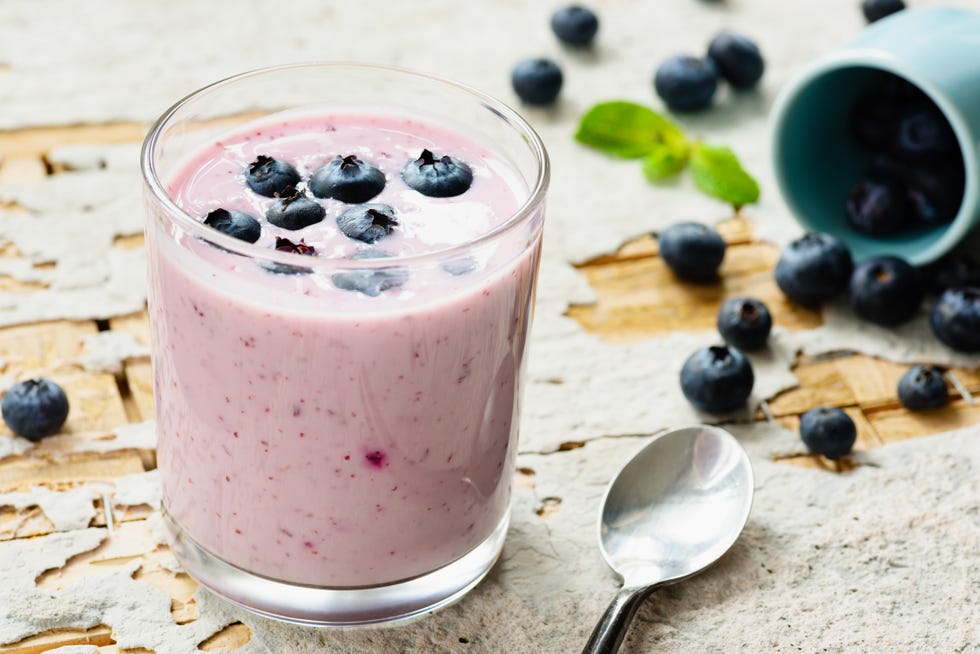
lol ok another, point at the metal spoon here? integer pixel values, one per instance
(672, 511)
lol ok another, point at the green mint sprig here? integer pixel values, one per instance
(632, 131)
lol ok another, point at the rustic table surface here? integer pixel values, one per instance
(93, 487)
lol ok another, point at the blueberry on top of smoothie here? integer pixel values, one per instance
(437, 177)
(367, 222)
(295, 211)
(370, 282)
(236, 224)
(347, 179)
(270, 177)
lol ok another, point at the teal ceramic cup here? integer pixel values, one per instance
(817, 162)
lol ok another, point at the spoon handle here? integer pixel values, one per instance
(609, 633)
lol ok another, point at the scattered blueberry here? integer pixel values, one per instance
(575, 25)
(371, 282)
(737, 59)
(745, 323)
(923, 387)
(437, 177)
(271, 177)
(35, 408)
(295, 211)
(367, 222)
(954, 269)
(347, 179)
(923, 134)
(692, 251)
(537, 81)
(955, 318)
(686, 83)
(285, 245)
(877, 9)
(828, 431)
(877, 208)
(237, 224)
(886, 291)
(814, 269)
(717, 379)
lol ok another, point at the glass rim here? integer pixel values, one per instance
(176, 215)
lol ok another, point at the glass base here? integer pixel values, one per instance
(312, 605)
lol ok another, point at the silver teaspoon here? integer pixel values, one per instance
(670, 512)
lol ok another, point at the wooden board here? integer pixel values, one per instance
(637, 298)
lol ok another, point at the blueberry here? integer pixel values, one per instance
(878, 208)
(923, 134)
(270, 177)
(923, 387)
(237, 224)
(828, 431)
(537, 81)
(373, 281)
(955, 269)
(437, 177)
(285, 245)
(717, 379)
(745, 323)
(686, 83)
(877, 9)
(814, 269)
(872, 121)
(692, 251)
(933, 192)
(367, 222)
(955, 318)
(886, 291)
(575, 25)
(347, 179)
(295, 211)
(35, 408)
(737, 59)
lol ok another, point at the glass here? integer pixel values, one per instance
(296, 482)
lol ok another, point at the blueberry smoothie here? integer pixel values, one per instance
(344, 412)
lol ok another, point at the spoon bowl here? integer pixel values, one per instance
(674, 509)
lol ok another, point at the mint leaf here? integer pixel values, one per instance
(666, 159)
(717, 171)
(626, 129)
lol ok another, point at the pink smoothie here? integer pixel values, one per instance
(323, 436)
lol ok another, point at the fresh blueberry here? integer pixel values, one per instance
(347, 179)
(575, 25)
(745, 323)
(877, 9)
(537, 81)
(886, 291)
(461, 266)
(923, 387)
(35, 408)
(878, 208)
(737, 59)
(934, 192)
(271, 177)
(437, 177)
(237, 224)
(954, 269)
(814, 269)
(955, 318)
(295, 211)
(686, 83)
(692, 251)
(923, 134)
(717, 379)
(285, 245)
(828, 431)
(367, 222)
(370, 282)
